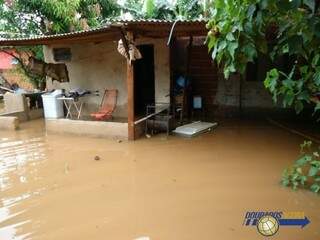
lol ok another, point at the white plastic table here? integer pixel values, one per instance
(70, 104)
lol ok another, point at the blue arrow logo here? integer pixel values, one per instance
(294, 222)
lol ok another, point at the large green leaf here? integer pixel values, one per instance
(313, 171)
(232, 46)
(271, 80)
(315, 187)
(316, 77)
(298, 106)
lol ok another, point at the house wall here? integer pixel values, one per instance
(113, 130)
(254, 96)
(220, 95)
(162, 67)
(99, 66)
(94, 67)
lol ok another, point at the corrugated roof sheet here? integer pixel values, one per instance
(110, 28)
(77, 33)
(141, 21)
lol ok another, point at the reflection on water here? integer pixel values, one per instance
(18, 161)
(15, 155)
(10, 232)
(52, 186)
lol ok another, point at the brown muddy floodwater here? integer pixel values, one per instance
(51, 187)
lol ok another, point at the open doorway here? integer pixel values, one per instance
(144, 85)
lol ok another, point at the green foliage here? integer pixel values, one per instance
(53, 16)
(149, 8)
(305, 173)
(165, 9)
(240, 29)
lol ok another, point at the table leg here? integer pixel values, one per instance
(78, 109)
(68, 106)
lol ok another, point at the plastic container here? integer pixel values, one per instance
(53, 108)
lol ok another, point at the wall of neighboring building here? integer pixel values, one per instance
(253, 96)
(10, 73)
(99, 66)
(6, 60)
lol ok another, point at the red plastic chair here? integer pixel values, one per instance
(107, 106)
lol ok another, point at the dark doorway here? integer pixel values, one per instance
(144, 92)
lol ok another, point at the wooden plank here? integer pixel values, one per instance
(130, 90)
(125, 42)
(151, 115)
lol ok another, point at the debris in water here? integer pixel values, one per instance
(194, 129)
(142, 238)
(66, 168)
(97, 158)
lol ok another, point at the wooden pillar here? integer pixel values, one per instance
(130, 90)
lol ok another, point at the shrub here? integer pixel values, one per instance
(305, 173)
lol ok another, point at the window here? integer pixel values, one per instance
(62, 54)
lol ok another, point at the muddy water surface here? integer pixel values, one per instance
(51, 187)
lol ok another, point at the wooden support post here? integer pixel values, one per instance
(125, 42)
(130, 90)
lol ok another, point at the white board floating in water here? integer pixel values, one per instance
(193, 129)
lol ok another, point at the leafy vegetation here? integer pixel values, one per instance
(242, 30)
(305, 172)
(239, 30)
(25, 18)
(166, 9)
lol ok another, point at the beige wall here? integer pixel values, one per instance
(162, 68)
(94, 67)
(100, 66)
(114, 130)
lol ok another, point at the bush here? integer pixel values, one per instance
(305, 171)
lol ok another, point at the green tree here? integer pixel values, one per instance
(20, 17)
(241, 29)
(165, 9)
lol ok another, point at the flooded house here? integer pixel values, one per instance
(170, 52)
